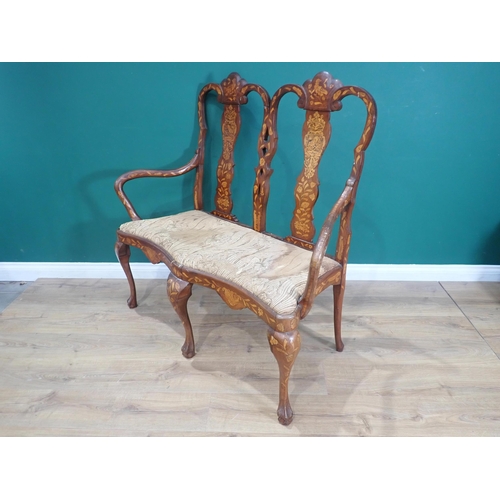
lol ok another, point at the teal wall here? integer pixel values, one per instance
(430, 192)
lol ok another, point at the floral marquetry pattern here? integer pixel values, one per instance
(239, 299)
(232, 299)
(314, 143)
(318, 92)
(230, 128)
(316, 134)
(232, 90)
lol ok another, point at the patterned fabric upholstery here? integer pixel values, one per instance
(271, 269)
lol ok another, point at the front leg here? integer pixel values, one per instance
(285, 347)
(179, 292)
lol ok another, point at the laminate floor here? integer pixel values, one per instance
(420, 359)
(10, 290)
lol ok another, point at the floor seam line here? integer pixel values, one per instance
(469, 320)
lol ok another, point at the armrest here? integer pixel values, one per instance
(137, 174)
(321, 246)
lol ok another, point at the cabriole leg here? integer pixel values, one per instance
(123, 255)
(285, 347)
(338, 299)
(179, 292)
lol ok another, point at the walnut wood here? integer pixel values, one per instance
(123, 254)
(318, 97)
(179, 292)
(320, 250)
(285, 347)
(198, 184)
(318, 92)
(137, 174)
(345, 204)
(342, 252)
(299, 242)
(268, 143)
(231, 123)
(346, 200)
(338, 299)
(232, 92)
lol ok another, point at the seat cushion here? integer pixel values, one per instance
(272, 270)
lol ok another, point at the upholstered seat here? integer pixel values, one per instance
(274, 271)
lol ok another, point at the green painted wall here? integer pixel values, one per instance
(430, 192)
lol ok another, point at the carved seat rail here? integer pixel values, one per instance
(276, 278)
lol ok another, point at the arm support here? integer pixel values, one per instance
(321, 245)
(136, 174)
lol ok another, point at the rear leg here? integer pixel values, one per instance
(338, 299)
(123, 254)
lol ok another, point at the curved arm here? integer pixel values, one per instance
(137, 174)
(320, 247)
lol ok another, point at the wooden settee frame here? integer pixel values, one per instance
(319, 97)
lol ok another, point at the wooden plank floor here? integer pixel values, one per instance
(420, 359)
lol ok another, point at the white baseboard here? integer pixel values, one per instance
(30, 271)
(422, 272)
